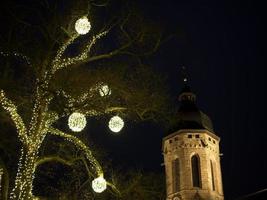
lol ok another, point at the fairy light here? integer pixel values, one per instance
(82, 26)
(84, 55)
(104, 90)
(99, 184)
(42, 118)
(79, 99)
(26, 164)
(60, 63)
(9, 106)
(16, 55)
(77, 122)
(80, 145)
(116, 124)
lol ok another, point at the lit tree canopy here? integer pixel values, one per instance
(51, 71)
(113, 53)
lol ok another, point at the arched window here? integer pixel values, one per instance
(195, 165)
(212, 175)
(176, 175)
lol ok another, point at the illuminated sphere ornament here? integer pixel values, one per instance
(104, 90)
(82, 26)
(99, 184)
(77, 122)
(116, 124)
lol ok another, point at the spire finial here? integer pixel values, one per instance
(184, 75)
(186, 93)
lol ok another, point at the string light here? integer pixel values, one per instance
(9, 106)
(116, 124)
(82, 26)
(42, 118)
(80, 145)
(77, 122)
(16, 55)
(60, 63)
(99, 184)
(104, 90)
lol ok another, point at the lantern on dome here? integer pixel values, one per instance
(99, 184)
(82, 26)
(77, 122)
(116, 124)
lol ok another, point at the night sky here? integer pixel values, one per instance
(222, 46)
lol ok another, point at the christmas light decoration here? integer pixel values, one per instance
(77, 122)
(16, 55)
(82, 26)
(9, 106)
(116, 124)
(104, 90)
(99, 184)
(80, 145)
(33, 133)
(60, 63)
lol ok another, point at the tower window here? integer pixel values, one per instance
(170, 141)
(195, 165)
(176, 175)
(214, 142)
(197, 136)
(212, 176)
(189, 136)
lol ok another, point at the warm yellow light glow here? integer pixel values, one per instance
(116, 124)
(42, 118)
(77, 122)
(104, 90)
(82, 26)
(99, 184)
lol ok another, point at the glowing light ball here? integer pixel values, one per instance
(104, 90)
(116, 124)
(77, 122)
(82, 26)
(99, 184)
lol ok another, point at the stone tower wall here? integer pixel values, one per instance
(183, 145)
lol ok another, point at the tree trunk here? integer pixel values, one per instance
(4, 181)
(25, 175)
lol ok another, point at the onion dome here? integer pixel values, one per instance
(189, 116)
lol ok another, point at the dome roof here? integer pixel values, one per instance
(188, 115)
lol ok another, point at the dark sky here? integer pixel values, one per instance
(222, 46)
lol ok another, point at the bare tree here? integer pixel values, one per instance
(75, 182)
(51, 71)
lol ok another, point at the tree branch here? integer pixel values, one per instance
(4, 187)
(10, 107)
(113, 187)
(109, 54)
(79, 144)
(112, 109)
(65, 62)
(100, 4)
(57, 61)
(16, 55)
(56, 158)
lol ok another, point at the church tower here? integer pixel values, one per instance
(191, 154)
